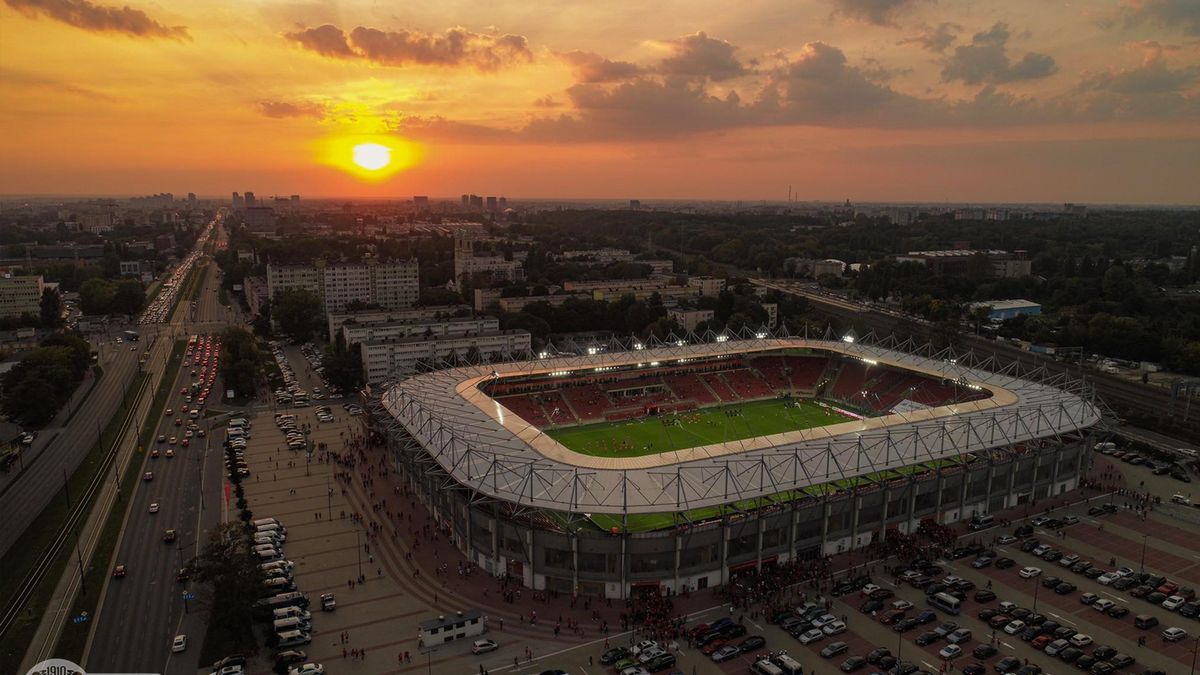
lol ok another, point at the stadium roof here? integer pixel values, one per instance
(484, 446)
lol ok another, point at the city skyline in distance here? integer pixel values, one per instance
(884, 101)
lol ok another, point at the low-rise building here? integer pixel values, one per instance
(388, 359)
(1009, 265)
(1000, 310)
(371, 317)
(709, 287)
(429, 328)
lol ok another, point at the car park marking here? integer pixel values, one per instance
(1063, 619)
(930, 665)
(1115, 597)
(1008, 646)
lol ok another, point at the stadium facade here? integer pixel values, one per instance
(514, 500)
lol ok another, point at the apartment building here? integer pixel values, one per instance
(381, 316)
(388, 359)
(393, 285)
(20, 295)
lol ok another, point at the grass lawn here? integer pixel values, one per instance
(671, 432)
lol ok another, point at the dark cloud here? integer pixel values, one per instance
(547, 102)
(100, 18)
(698, 55)
(820, 86)
(1181, 14)
(935, 40)
(878, 12)
(439, 128)
(986, 61)
(1152, 76)
(453, 48)
(642, 108)
(281, 109)
(325, 40)
(591, 67)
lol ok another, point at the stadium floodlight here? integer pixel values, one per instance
(592, 351)
(638, 345)
(761, 334)
(848, 338)
(680, 343)
(543, 355)
(722, 338)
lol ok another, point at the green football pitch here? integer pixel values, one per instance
(694, 428)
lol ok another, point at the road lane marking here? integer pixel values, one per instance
(1115, 597)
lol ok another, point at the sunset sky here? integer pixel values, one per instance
(871, 100)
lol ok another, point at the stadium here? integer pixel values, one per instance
(677, 465)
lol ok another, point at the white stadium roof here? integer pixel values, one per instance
(482, 445)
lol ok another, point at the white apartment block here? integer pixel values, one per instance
(462, 327)
(377, 316)
(20, 295)
(394, 285)
(384, 360)
(690, 318)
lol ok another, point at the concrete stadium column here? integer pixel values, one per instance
(496, 537)
(470, 553)
(825, 510)
(795, 522)
(761, 525)
(1012, 475)
(962, 494)
(678, 557)
(624, 565)
(1054, 471)
(883, 512)
(857, 506)
(987, 492)
(531, 556)
(912, 500)
(724, 551)
(574, 564)
(937, 504)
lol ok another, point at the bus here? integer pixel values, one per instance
(945, 602)
(131, 335)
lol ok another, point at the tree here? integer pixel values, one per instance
(51, 309)
(95, 296)
(227, 564)
(343, 366)
(298, 313)
(240, 362)
(128, 297)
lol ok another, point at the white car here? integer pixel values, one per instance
(868, 589)
(1107, 578)
(643, 645)
(1068, 560)
(823, 620)
(179, 644)
(950, 652)
(1081, 640)
(810, 636)
(307, 669)
(1173, 603)
(154, 507)
(1174, 634)
(834, 628)
(1030, 572)
(1014, 627)
(1102, 604)
(901, 604)
(484, 646)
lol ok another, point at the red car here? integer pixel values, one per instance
(713, 646)
(1167, 588)
(1041, 641)
(119, 572)
(891, 617)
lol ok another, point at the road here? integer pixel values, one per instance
(140, 614)
(28, 494)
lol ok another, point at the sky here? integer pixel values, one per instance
(1094, 101)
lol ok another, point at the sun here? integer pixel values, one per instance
(372, 156)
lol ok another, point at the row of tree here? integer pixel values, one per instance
(102, 296)
(241, 362)
(44, 379)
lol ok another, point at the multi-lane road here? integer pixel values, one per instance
(26, 494)
(141, 613)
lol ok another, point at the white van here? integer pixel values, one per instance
(294, 638)
(271, 527)
(273, 535)
(765, 667)
(235, 432)
(267, 521)
(285, 612)
(268, 555)
(285, 565)
(239, 422)
(277, 585)
(266, 548)
(788, 665)
(291, 623)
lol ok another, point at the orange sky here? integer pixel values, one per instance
(886, 100)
